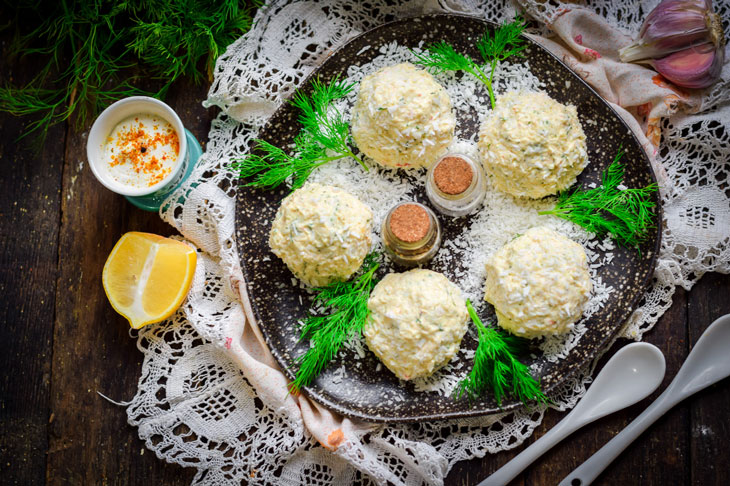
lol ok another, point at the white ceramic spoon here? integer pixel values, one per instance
(629, 376)
(707, 363)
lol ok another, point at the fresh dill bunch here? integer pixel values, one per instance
(626, 215)
(89, 51)
(506, 41)
(324, 137)
(322, 121)
(76, 34)
(497, 369)
(441, 57)
(174, 37)
(271, 166)
(327, 333)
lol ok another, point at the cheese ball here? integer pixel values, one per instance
(538, 283)
(402, 117)
(416, 322)
(531, 145)
(322, 233)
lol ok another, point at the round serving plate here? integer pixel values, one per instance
(370, 392)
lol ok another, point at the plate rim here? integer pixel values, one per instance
(581, 364)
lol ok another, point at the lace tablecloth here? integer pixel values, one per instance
(210, 395)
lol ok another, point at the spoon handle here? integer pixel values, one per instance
(587, 472)
(509, 471)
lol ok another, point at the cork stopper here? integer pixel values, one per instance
(409, 223)
(453, 175)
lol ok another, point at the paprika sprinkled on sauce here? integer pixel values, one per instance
(142, 150)
(411, 233)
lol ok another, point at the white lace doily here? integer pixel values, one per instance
(195, 406)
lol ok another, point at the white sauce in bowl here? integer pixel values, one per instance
(141, 151)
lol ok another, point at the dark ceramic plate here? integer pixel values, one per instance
(363, 392)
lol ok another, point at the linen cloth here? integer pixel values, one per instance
(212, 397)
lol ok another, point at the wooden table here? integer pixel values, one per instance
(61, 342)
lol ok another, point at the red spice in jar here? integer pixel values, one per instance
(410, 223)
(453, 175)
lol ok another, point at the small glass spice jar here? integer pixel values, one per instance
(455, 184)
(411, 233)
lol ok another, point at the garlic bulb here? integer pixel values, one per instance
(694, 67)
(683, 40)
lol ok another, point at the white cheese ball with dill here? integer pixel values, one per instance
(322, 233)
(531, 145)
(402, 117)
(416, 322)
(538, 283)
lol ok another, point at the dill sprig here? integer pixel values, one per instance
(327, 333)
(271, 166)
(506, 41)
(496, 368)
(324, 137)
(627, 215)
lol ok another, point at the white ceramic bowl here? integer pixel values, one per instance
(104, 125)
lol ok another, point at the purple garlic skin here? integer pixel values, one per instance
(683, 40)
(670, 27)
(694, 67)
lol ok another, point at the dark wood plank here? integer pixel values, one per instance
(57, 225)
(467, 473)
(90, 441)
(710, 427)
(29, 219)
(660, 454)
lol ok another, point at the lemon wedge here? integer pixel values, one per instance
(146, 277)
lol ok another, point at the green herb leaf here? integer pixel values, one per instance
(325, 136)
(497, 369)
(441, 57)
(270, 166)
(506, 41)
(349, 304)
(96, 41)
(625, 215)
(174, 37)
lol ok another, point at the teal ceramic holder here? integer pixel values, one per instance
(153, 202)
